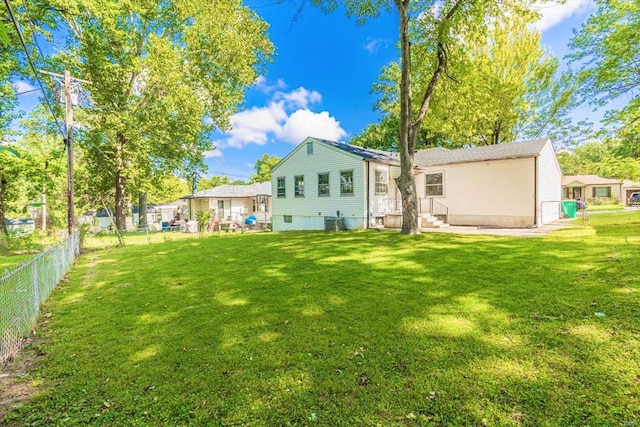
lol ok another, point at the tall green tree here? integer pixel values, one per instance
(45, 165)
(599, 158)
(214, 181)
(430, 31)
(502, 86)
(607, 50)
(263, 168)
(163, 73)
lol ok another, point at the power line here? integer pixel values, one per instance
(230, 165)
(28, 91)
(35, 72)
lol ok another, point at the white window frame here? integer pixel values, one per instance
(381, 186)
(324, 185)
(283, 188)
(298, 190)
(346, 184)
(427, 185)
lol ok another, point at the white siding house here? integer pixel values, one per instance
(324, 179)
(233, 203)
(589, 187)
(507, 185)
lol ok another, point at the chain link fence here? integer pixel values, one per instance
(23, 289)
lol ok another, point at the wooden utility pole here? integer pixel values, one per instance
(71, 222)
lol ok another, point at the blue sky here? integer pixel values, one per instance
(320, 80)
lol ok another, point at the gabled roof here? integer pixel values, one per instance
(229, 191)
(588, 180)
(442, 156)
(363, 152)
(629, 183)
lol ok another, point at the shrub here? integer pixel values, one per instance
(203, 218)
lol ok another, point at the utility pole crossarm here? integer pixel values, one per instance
(61, 76)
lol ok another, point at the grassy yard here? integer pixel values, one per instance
(617, 207)
(17, 250)
(347, 329)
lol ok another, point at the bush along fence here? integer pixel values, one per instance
(23, 289)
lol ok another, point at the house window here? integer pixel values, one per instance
(309, 147)
(220, 205)
(434, 185)
(298, 186)
(601, 191)
(288, 219)
(281, 186)
(346, 183)
(257, 205)
(323, 184)
(382, 182)
(565, 193)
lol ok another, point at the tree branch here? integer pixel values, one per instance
(440, 68)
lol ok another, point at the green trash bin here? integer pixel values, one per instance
(569, 208)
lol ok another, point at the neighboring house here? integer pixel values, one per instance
(507, 185)
(159, 213)
(585, 187)
(233, 202)
(156, 214)
(629, 187)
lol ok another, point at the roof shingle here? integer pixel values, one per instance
(232, 191)
(442, 156)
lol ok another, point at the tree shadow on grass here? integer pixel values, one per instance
(356, 328)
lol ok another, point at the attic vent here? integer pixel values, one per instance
(309, 147)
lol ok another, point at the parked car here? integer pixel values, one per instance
(634, 200)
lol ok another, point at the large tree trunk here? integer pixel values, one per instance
(408, 126)
(120, 214)
(3, 226)
(142, 211)
(406, 181)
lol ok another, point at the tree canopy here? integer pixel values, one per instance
(263, 168)
(432, 35)
(607, 50)
(163, 74)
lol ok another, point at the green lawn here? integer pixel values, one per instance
(16, 250)
(617, 207)
(347, 329)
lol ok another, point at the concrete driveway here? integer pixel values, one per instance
(520, 232)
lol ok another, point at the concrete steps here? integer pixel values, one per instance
(430, 221)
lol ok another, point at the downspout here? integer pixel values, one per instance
(535, 192)
(368, 218)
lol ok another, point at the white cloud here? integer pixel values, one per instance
(300, 97)
(264, 86)
(287, 117)
(253, 126)
(212, 153)
(21, 86)
(552, 12)
(304, 123)
(374, 44)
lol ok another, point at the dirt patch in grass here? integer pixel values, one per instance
(15, 384)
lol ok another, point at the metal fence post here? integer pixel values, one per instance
(36, 291)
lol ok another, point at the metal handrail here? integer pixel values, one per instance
(426, 205)
(429, 205)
